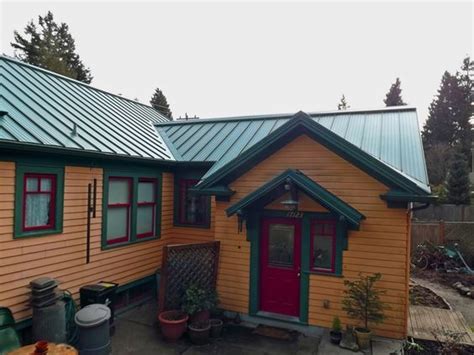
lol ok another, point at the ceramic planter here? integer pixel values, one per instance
(199, 332)
(363, 337)
(173, 324)
(335, 336)
(216, 327)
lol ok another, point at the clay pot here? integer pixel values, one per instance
(199, 332)
(216, 327)
(363, 337)
(173, 324)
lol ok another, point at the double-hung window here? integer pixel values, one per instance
(323, 246)
(146, 209)
(131, 208)
(192, 209)
(118, 210)
(38, 200)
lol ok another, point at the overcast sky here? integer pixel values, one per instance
(225, 59)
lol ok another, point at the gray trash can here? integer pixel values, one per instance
(94, 335)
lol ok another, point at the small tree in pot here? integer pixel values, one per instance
(362, 302)
(336, 333)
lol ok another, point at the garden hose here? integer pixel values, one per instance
(71, 328)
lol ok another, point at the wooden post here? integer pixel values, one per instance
(442, 233)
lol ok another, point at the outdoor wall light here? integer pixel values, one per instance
(291, 204)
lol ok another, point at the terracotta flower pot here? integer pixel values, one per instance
(199, 332)
(173, 324)
(201, 316)
(363, 337)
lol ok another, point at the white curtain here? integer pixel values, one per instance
(37, 210)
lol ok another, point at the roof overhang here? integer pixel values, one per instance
(275, 188)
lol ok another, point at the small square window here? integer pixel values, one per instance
(192, 209)
(39, 202)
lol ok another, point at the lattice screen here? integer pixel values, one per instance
(184, 265)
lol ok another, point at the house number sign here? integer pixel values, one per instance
(294, 214)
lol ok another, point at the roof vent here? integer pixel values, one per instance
(2, 113)
(74, 130)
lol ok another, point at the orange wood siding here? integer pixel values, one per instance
(62, 256)
(381, 244)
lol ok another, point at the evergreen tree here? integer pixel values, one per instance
(343, 105)
(394, 95)
(458, 180)
(463, 125)
(160, 103)
(49, 45)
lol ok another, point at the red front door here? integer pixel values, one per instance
(280, 266)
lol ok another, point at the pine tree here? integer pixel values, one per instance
(458, 180)
(463, 125)
(394, 95)
(343, 105)
(160, 103)
(49, 45)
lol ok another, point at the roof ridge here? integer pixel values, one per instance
(289, 115)
(17, 61)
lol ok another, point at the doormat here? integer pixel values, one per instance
(275, 333)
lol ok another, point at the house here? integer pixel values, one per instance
(298, 202)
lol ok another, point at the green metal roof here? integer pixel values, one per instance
(41, 108)
(275, 188)
(391, 135)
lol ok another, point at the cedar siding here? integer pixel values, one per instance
(62, 256)
(381, 244)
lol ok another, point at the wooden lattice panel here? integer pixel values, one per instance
(185, 265)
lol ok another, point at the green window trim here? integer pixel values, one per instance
(253, 224)
(135, 176)
(177, 201)
(21, 171)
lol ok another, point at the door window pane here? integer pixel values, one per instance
(119, 191)
(281, 245)
(37, 210)
(146, 191)
(117, 223)
(145, 220)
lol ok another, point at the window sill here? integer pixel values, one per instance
(184, 225)
(37, 233)
(124, 244)
(321, 273)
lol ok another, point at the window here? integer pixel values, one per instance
(131, 208)
(281, 245)
(192, 209)
(323, 240)
(118, 210)
(146, 208)
(38, 200)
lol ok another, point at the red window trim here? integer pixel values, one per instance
(128, 205)
(52, 205)
(139, 204)
(184, 184)
(333, 235)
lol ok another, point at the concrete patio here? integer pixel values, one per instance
(137, 332)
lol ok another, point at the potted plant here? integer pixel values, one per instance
(173, 324)
(199, 332)
(362, 302)
(198, 302)
(216, 327)
(336, 333)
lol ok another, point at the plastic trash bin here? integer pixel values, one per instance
(93, 324)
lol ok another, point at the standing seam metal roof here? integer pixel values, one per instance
(391, 135)
(45, 108)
